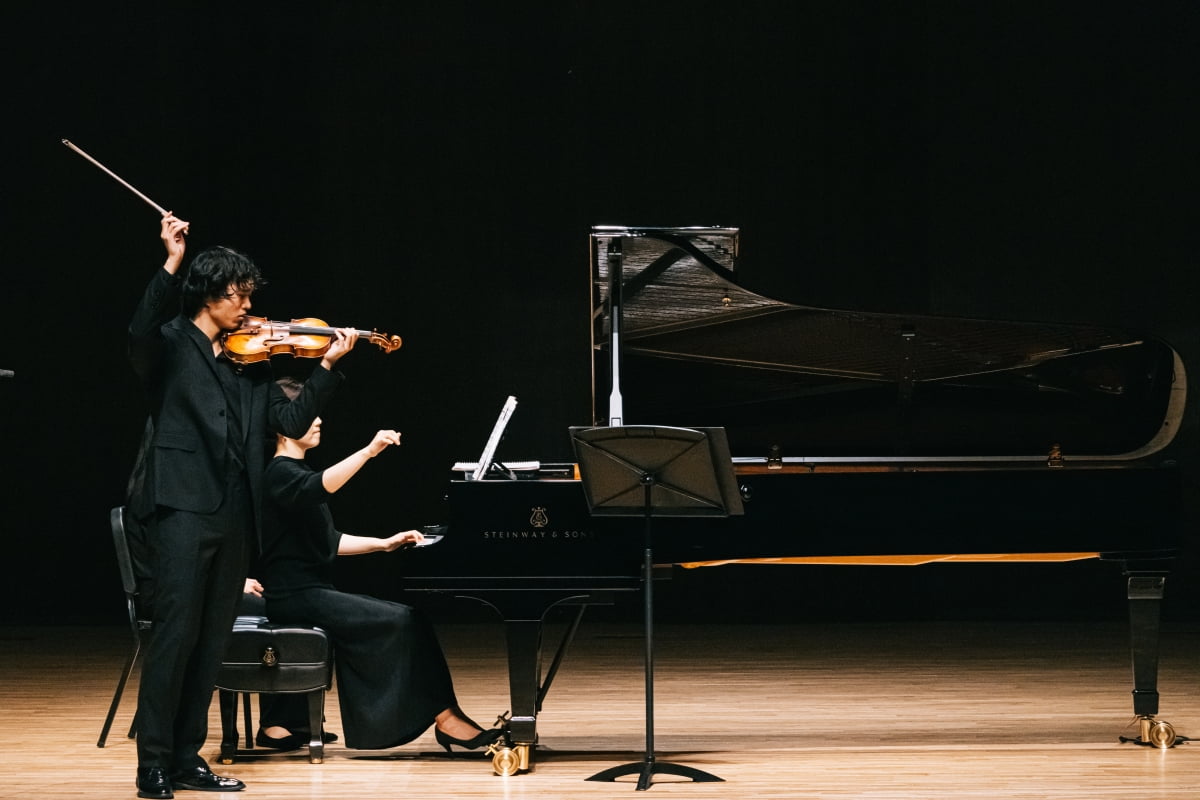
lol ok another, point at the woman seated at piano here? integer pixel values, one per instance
(392, 678)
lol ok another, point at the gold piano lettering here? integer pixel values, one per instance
(539, 535)
(514, 534)
(573, 535)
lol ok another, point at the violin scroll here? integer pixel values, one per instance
(387, 343)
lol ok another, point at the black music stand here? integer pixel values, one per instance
(648, 471)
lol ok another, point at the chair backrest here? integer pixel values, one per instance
(136, 604)
(116, 519)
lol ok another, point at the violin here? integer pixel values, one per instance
(259, 338)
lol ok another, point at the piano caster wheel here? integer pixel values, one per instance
(508, 760)
(1157, 733)
(226, 760)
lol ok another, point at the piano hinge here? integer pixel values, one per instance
(1055, 457)
(775, 457)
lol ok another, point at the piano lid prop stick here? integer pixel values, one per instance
(616, 404)
(616, 409)
(117, 178)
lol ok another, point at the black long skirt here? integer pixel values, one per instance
(392, 678)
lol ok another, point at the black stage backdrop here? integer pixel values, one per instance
(432, 170)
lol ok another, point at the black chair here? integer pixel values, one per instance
(139, 620)
(265, 657)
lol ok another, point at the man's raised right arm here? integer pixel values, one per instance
(160, 301)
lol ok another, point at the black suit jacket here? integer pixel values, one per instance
(185, 467)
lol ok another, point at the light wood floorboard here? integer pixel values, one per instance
(874, 711)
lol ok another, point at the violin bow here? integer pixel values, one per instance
(117, 178)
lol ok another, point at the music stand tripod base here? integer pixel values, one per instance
(646, 769)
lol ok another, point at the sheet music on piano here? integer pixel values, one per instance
(487, 458)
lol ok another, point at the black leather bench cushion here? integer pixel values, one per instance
(267, 657)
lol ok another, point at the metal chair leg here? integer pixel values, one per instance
(126, 671)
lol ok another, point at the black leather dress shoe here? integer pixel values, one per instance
(202, 779)
(153, 782)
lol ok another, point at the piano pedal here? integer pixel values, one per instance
(1154, 733)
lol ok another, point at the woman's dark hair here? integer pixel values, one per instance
(211, 274)
(291, 387)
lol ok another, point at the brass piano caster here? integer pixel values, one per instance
(1157, 733)
(508, 759)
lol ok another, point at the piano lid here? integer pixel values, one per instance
(697, 349)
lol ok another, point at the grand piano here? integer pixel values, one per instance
(856, 438)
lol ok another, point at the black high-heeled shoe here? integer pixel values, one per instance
(293, 741)
(481, 739)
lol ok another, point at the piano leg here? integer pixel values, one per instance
(1145, 593)
(524, 667)
(523, 632)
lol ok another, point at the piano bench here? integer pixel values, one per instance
(268, 658)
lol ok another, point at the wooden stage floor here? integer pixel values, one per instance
(876, 711)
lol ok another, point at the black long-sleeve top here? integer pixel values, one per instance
(300, 542)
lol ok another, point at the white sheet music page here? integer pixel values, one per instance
(511, 466)
(489, 450)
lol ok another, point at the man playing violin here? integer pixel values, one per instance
(202, 489)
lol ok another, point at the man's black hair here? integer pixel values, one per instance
(211, 274)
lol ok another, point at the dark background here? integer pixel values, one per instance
(432, 169)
